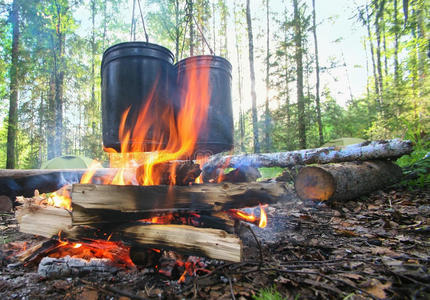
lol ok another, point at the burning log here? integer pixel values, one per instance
(213, 243)
(345, 181)
(23, 182)
(185, 172)
(95, 204)
(384, 149)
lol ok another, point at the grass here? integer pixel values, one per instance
(269, 294)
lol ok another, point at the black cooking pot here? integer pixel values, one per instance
(132, 74)
(217, 135)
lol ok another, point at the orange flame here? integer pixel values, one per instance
(251, 218)
(60, 198)
(150, 126)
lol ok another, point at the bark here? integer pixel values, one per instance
(299, 70)
(177, 30)
(59, 88)
(379, 13)
(317, 73)
(267, 129)
(11, 153)
(383, 149)
(190, 18)
(93, 61)
(239, 81)
(97, 204)
(252, 75)
(396, 45)
(51, 116)
(372, 52)
(345, 181)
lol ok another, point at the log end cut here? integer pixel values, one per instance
(314, 183)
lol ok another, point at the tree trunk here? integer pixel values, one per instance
(239, 80)
(345, 181)
(177, 31)
(267, 129)
(50, 133)
(252, 75)
(317, 72)
(396, 45)
(372, 52)
(14, 86)
(191, 20)
(287, 73)
(379, 12)
(93, 62)
(299, 66)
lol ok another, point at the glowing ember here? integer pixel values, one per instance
(116, 252)
(60, 198)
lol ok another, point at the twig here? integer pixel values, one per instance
(258, 244)
(231, 287)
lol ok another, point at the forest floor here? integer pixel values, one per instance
(370, 248)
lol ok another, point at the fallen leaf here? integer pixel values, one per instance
(377, 288)
(384, 251)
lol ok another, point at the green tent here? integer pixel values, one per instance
(343, 142)
(68, 162)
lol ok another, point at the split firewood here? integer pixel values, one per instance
(44, 221)
(183, 172)
(345, 181)
(212, 243)
(95, 204)
(384, 149)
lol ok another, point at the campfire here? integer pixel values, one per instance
(167, 201)
(150, 198)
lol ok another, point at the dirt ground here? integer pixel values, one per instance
(373, 247)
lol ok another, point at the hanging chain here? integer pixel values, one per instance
(133, 22)
(143, 22)
(203, 36)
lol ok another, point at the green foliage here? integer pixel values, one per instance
(268, 294)
(416, 166)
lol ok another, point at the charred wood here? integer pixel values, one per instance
(345, 181)
(101, 203)
(179, 173)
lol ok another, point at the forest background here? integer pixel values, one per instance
(51, 53)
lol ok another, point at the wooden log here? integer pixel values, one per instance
(44, 221)
(345, 181)
(384, 149)
(184, 172)
(94, 204)
(213, 243)
(209, 242)
(23, 182)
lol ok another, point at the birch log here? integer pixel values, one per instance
(384, 149)
(345, 181)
